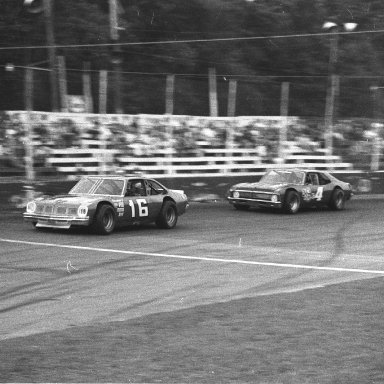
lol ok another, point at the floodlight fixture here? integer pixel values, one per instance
(350, 26)
(329, 25)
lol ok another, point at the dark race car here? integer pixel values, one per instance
(291, 190)
(104, 202)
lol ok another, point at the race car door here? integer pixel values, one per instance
(139, 204)
(319, 186)
(327, 187)
(155, 193)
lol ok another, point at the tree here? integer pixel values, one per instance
(259, 64)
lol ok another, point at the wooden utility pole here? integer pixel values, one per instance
(116, 54)
(330, 111)
(28, 89)
(169, 94)
(378, 126)
(284, 115)
(332, 91)
(103, 87)
(87, 88)
(63, 84)
(232, 90)
(50, 37)
(213, 105)
(29, 170)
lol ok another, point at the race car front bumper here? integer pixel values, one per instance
(255, 203)
(54, 221)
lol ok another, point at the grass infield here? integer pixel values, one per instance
(333, 334)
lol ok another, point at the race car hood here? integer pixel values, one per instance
(177, 191)
(69, 199)
(260, 187)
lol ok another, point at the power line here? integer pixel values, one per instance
(190, 41)
(196, 75)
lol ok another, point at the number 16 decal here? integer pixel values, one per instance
(142, 207)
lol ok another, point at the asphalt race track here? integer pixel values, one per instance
(53, 280)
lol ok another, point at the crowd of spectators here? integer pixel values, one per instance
(179, 136)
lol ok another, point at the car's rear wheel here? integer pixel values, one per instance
(337, 200)
(241, 207)
(105, 220)
(167, 218)
(292, 202)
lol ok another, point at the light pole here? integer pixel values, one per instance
(333, 78)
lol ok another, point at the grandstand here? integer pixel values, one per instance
(182, 146)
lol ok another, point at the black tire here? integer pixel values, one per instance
(337, 200)
(241, 207)
(105, 220)
(40, 229)
(292, 202)
(167, 218)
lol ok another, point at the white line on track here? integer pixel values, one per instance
(200, 258)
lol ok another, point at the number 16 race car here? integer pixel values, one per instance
(290, 190)
(104, 202)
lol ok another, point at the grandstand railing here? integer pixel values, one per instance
(210, 163)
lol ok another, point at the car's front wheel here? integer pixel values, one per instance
(292, 202)
(40, 229)
(105, 220)
(167, 218)
(241, 207)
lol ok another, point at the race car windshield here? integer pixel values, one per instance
(98, 186)
(110, 187)
(283, 177)
(85, 185)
